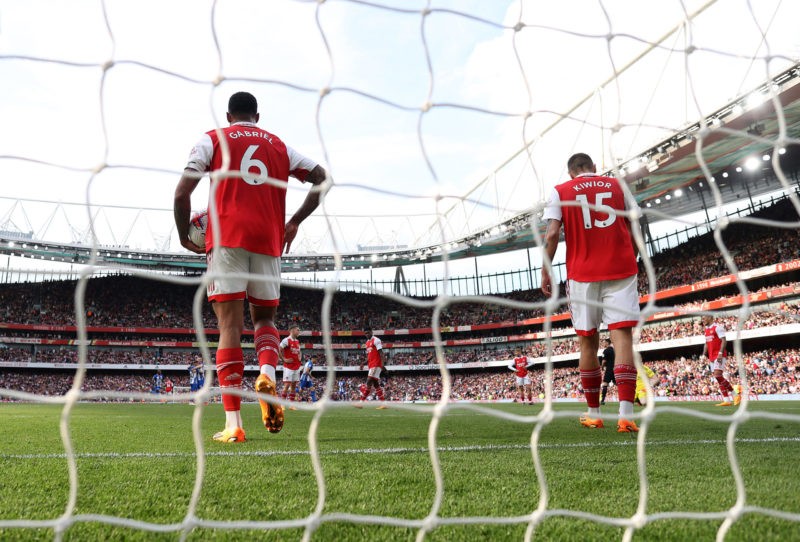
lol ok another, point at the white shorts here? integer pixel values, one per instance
(523, 381)
(719, 364)
(375, 372)
(291, 375)
(264, 291)
(620, 309)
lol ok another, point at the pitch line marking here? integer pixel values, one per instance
(356, 451)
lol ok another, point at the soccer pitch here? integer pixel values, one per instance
(138, 462)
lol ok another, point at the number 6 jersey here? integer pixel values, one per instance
(599, 244)
(251, 211)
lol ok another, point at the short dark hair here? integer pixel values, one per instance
(243, 104)
(367, 329)
(579, 161)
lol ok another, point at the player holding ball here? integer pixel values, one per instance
(249, 169)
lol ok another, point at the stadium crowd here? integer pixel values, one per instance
(133, 302)
(751, 247)
(673, 329)
(127, 301)
(768, 372)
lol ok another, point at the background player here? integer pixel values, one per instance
(200, 371)
(641, 390)
(607, 364)
(714, 348)
(520, 365)
(374, 349)
(251, 239)
(601, 268)
(195, 369)
(158, 381)
(306, 382)
(290, 356)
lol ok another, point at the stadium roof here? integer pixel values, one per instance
(667, 180)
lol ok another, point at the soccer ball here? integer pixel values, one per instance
(197, 229)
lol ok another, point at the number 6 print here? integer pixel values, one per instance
(249, 162)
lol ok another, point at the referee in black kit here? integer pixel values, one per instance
(608, 368)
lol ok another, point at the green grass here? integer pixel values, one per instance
(137, 461)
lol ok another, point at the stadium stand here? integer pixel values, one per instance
(136, 325)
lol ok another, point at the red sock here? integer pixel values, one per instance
(267, 343)
(379, 393)
(724, 386)
(292, 396)
(364, 389)
(230, 368)
(625, 375)
(590, 382)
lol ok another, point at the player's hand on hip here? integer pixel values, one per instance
(289, 233)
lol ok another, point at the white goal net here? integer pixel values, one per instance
(442, 125)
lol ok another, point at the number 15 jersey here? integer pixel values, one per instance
(599, 244)
(251, 211)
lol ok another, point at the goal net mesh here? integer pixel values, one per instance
(538, 82)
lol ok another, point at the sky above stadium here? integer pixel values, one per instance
(106, 109)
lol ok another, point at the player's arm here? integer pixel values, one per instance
(281, 347)
(551, 237)
(633, 241)
(316, 177)
(722, 345)
(182, 207)
(629, 206)
(381, 357)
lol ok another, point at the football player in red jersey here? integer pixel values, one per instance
(249, 169)
(601, 268)
(291, 357)
(714, 348)
(520, 365)
(374, 349)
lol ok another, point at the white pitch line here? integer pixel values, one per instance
(356, 451)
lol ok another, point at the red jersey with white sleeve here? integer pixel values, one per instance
(290, 348)
(521, 366)
(252, 212)
(599, 244)
(714, 335)
(374, 346)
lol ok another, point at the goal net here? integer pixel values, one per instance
(444, 126)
